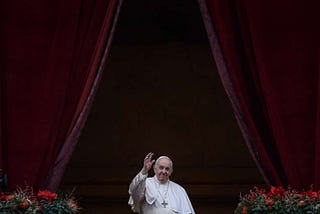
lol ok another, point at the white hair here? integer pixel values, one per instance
(166, 157)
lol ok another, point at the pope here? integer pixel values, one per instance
(158, 194)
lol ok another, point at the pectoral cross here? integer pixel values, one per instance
(164, 204)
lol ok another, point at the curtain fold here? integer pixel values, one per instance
(2, 116)
(86, 100)
(52, 52)
(267, 54)
(2, 84)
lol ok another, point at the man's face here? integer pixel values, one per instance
(163, 170)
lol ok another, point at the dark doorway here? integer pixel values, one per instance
(161, 92)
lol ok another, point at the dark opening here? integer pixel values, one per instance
(161, 92)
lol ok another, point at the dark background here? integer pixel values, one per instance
(161, 92)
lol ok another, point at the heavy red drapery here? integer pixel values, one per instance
(267, 54)
(51, 52)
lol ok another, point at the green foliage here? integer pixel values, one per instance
(44, 202)
(279, 201)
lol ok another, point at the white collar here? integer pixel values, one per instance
(158, 182)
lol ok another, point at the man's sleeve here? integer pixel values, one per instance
(136, 191)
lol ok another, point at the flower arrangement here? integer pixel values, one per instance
(43, 202)
(279, 200)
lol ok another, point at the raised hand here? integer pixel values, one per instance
(147, 163)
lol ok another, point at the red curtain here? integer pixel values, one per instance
(267, 54)
(51, 51)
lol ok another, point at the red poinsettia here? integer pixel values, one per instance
(4, 197)
(279, 200)
(25, 204)
(269, 201)
(276, 191)
(46, 195)
(44, 201)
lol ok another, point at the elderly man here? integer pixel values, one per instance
(158, 194)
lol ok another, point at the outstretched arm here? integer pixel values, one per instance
(142, 175)
(137, 186)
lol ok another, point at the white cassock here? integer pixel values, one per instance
(148, 196)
